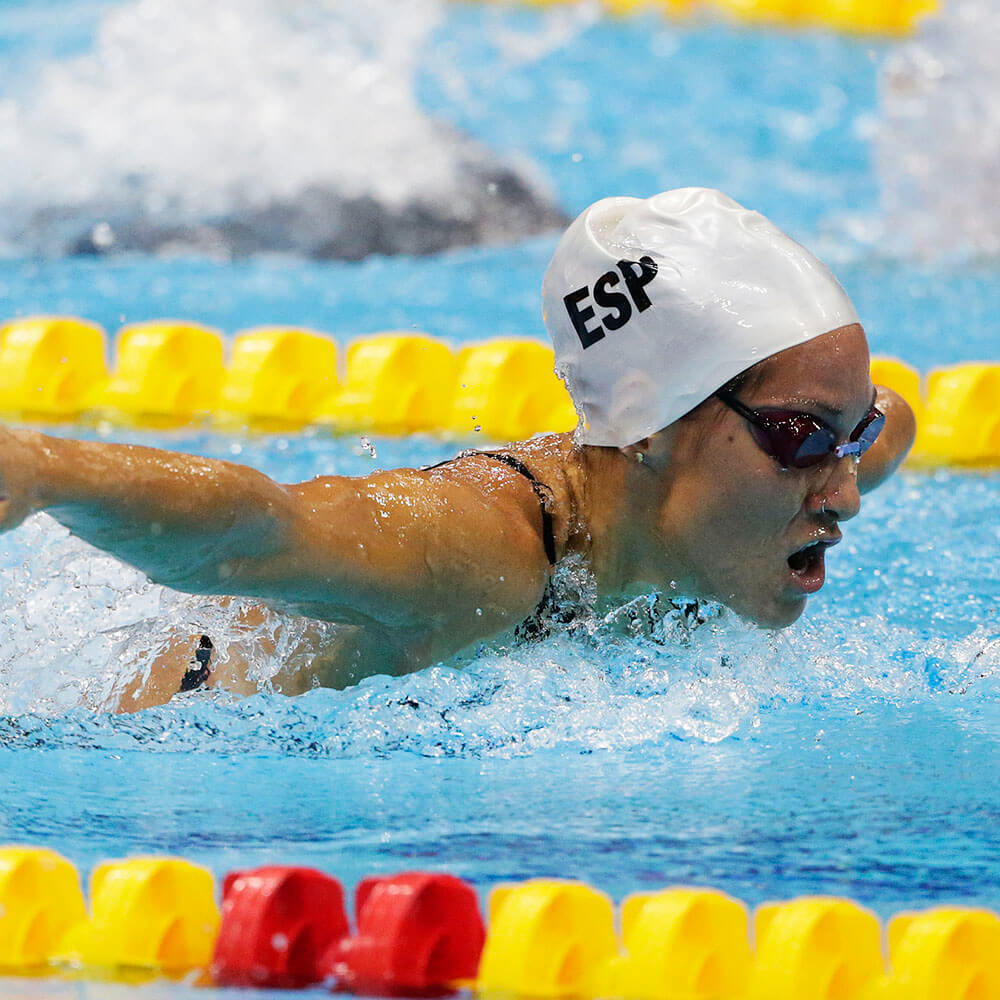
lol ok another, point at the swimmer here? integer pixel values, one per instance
(728, 427)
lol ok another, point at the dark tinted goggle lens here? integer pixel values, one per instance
(794, 440)
(799, 440)
(869, 429)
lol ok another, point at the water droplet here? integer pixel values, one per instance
(103, 235)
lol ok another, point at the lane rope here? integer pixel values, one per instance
(172, 373)
(421, 933)
(858, 17)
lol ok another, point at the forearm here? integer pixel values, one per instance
(182, 520)
(893, 444)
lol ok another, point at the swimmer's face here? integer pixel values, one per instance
(733, 517)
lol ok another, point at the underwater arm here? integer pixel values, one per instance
(892, 445)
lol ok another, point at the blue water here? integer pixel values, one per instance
(855, 753)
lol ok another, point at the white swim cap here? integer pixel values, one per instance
(653, 305)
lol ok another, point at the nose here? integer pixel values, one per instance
(838, 493)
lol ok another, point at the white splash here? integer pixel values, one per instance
(630, 678)
(232, 101)
(187, 113)
(938, 145)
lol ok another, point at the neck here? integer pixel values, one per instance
(608, 508)
(622, 500)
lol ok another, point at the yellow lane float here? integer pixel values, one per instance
(900, 377)
(40, 900)
(688, 942)
(167, 374)
(48, 365)
(547, 938)
(277, 378)
(815, 949)
(949, 953)
(146, 913)
(507, 389)
(394, 383)
(961, 415)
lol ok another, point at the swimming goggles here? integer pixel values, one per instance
(799, 440)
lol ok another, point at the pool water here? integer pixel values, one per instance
(855, 753)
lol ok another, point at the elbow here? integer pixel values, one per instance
(901, 425)
(893, 444)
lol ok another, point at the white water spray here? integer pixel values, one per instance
(186, 113)
(938, 146)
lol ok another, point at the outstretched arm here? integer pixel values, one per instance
(434, 552)
(893, 444)
(178, 518)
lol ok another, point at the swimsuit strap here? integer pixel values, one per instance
(541, 491)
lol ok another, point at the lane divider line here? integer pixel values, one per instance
(422, 934)
(170, 373)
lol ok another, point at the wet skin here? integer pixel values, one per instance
(729, 516)
(423, 563)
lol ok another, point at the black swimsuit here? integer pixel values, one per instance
(199, 671)
(551, 612)
(537, 625)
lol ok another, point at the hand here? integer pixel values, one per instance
(19, 460)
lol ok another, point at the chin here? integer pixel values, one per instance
(775, 614)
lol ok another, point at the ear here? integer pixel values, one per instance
(639, 452)
(655, 450)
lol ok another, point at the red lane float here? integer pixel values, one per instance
(418, 933)
(277, 924)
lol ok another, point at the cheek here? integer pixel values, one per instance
(739, 514)
(763, 503)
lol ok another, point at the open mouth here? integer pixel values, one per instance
(808, 565)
